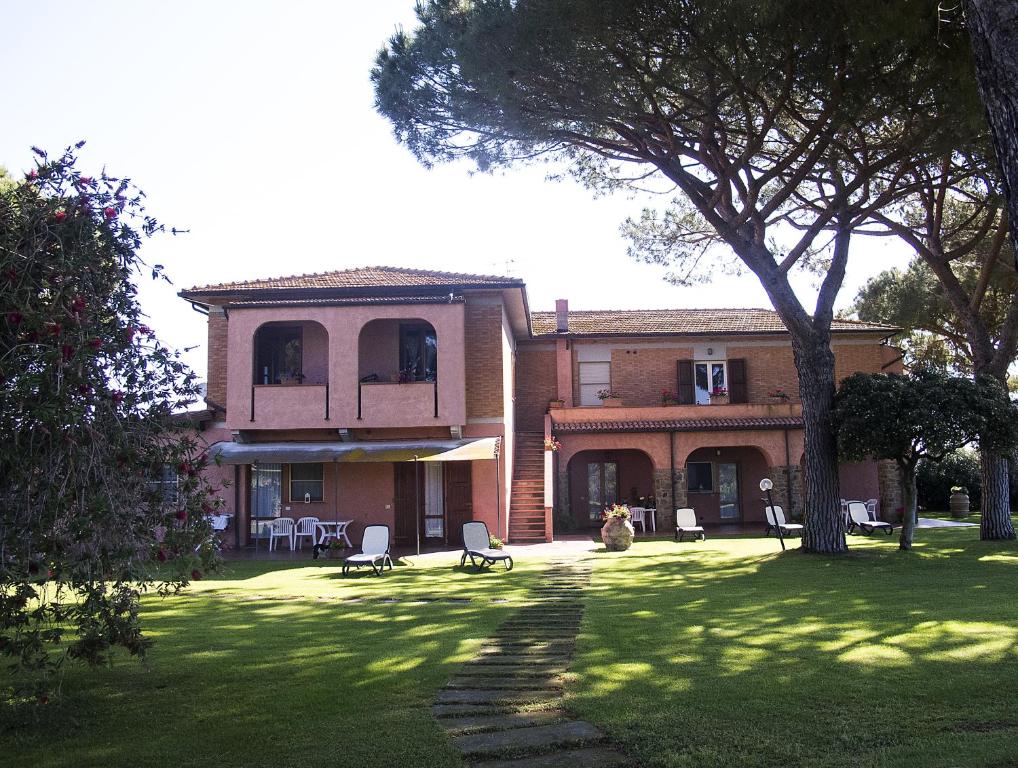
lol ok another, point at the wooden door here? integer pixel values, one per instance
(409, 497)
(459, 499)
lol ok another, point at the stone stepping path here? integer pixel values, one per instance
(503, 709)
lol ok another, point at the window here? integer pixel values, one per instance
(699, 477)
(593, 378)
(418, 353)
(278, 355)
(708, 377)
(307, 482)
(164, 485)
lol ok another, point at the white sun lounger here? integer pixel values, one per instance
(475, 546)
(374, 551)
(776, 518)
(859, 517)
(685, 522)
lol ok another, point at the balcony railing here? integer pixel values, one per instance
(289, 406)
(381, 404)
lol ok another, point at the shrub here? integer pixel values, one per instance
(934, 480)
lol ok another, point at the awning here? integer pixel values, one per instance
(363, 451)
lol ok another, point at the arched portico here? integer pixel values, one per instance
(599, 478)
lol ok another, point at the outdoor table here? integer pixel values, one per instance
(335, 528)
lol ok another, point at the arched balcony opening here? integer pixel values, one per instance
(397, 367)
(290, 375)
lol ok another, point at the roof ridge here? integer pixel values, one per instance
(403, 271)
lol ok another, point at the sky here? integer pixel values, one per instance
(251, 125)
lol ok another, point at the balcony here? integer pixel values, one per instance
(625, 413)
(383, 404)
(289, 406)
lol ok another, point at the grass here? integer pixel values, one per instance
(730, 653)
(275, 664)
(696, 654)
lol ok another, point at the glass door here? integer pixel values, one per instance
(266, 497)
(728, 490)
(434, 503)
(602, 488)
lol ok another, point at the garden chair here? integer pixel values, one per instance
(306, 526)
(281, 528)
(638, 515)
(861, 520)
(776, 519)
(476, 546)
(871, 507)
(685, 522)
(374, 551)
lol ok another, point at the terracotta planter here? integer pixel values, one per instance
(617, 534)
(612, 402)
(719, 399)
(556, 404)
(959, 504)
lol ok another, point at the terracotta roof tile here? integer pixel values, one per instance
(635, 322)
(348, 301)
(680, 425)
(362, 277)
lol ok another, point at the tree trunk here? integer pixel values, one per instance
(995, 517)
(823, 530)
(908, 518)
(993, 27)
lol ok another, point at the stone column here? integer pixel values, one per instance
(790, 503)
(563, 517)
(892, 498)
(665, 518)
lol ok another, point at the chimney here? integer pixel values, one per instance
(562, 315)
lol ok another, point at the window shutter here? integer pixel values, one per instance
(737, 389)
(685, 391)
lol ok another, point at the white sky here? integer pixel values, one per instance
(251, 124)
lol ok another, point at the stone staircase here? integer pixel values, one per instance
(526, 501)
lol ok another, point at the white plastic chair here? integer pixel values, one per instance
(281, 528)
(861, 519)
(776, 519)
(685, 522)
(638, 515)
(871, 508)
(476, 546)
(374, 551)
(306, 526)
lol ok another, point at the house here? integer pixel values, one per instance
(423, 399)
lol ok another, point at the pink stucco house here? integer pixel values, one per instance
(423, 399)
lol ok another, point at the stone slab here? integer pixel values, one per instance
(494, 682)
(502, 722)
(536, 737)
(590, 757)
(495, 696)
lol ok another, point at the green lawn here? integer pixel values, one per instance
(717, 654)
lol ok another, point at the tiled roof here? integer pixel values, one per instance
(680, 425)
(362, 277)
(348, 301)
(671, 322)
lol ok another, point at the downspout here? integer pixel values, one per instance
(236, 506)
(671, 456)
(788, 477)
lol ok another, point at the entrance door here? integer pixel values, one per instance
(602, 488)
(266, 497)
(459, 499)
(728, 491)
(408, 498)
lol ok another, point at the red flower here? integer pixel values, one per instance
(181, 515)
(109, 212)
(95, 343)
(14, 318)
(161, 555)
(196, 574)
(43, 699)
(60, 216)
(33, 174)
(129, 332)
(86, 180)
(117, 396)
(67, 352)
(54, 328)
(78, 305)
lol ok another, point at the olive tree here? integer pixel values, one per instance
(102, 498)
(782, 127)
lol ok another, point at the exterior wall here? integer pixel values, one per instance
(508, 453)
(536, 384)
(752, 467)
(343, 357)
(483, 356)
(218, 344)
(859, 480)
(767, 369)
(640, 375)
(855, 356)
(379, 350)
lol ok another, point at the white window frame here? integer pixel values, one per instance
(710, 379)
(589, 389)
(290, 482)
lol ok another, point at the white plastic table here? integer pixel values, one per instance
(335, 528)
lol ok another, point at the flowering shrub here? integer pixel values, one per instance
(551, 444)
(719, 392)
(620, 511)
(87, 394)
(669, 398)
(607, 394)
(779, 394)
(494, 542)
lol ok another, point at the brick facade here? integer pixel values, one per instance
(483, 355)
(536, 385)
(640, 375)
(218, 327)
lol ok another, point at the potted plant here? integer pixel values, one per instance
(617, 532)
(719, 396)
(779, 394)
(556, 404)
(669, 398)
(610, 399)
(551, 444)
(959, 501)
(494, 542)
